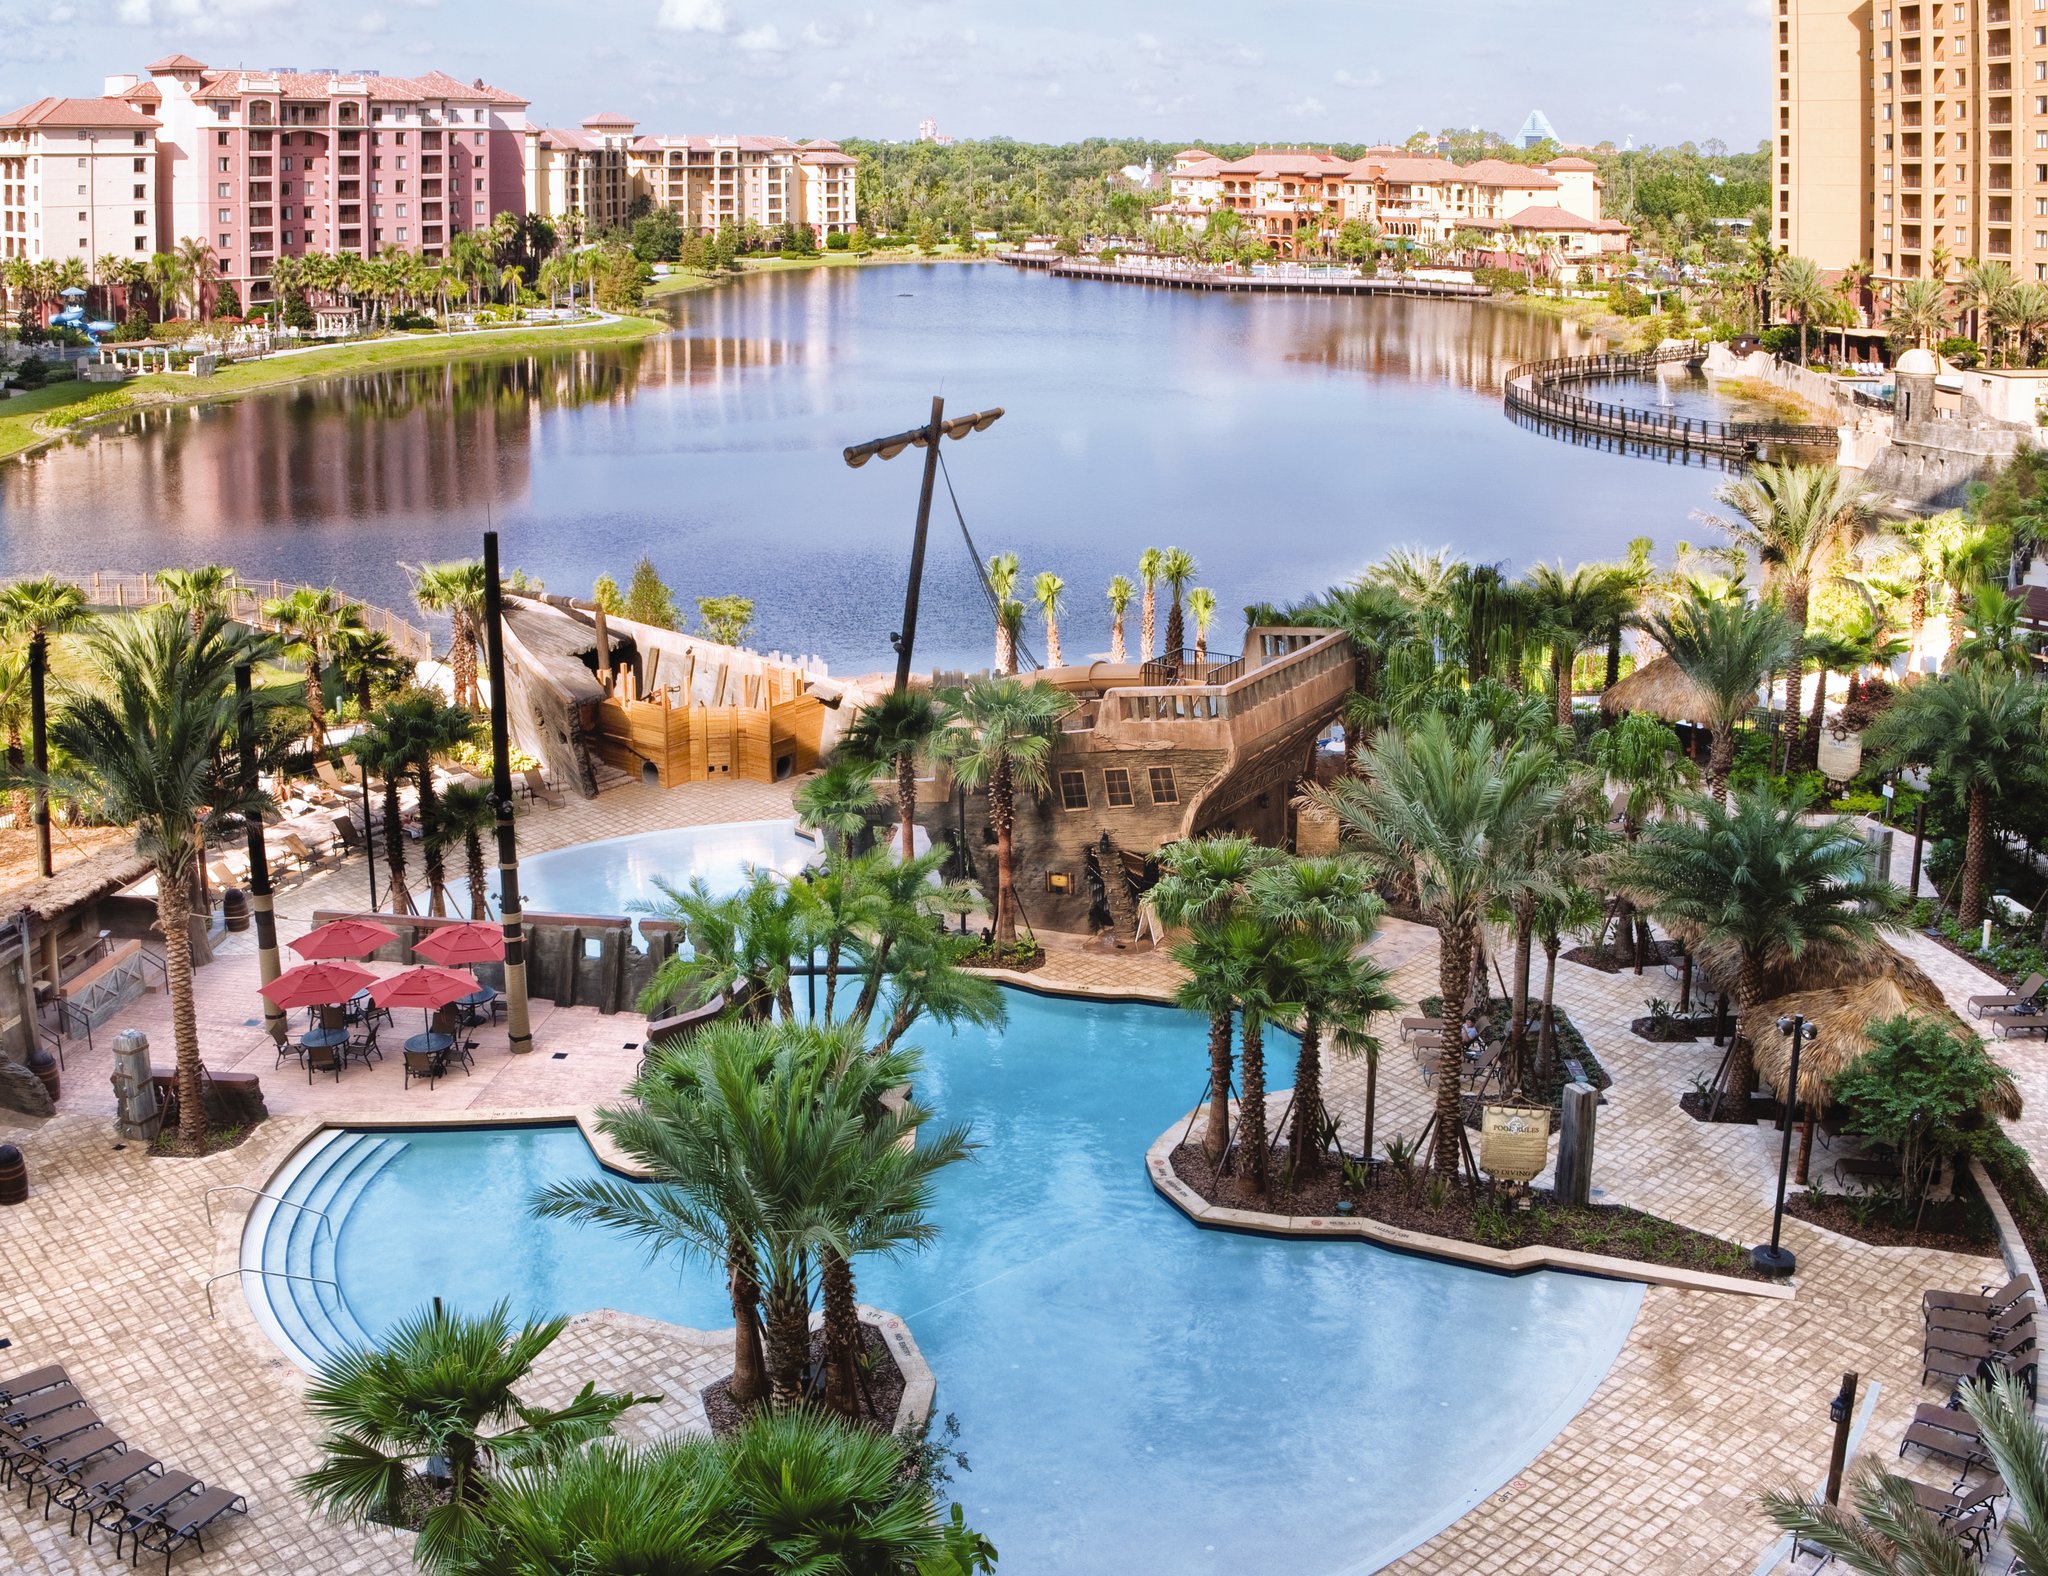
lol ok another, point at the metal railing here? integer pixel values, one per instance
(275, 1198)
(1533, 390)
(257, 1269)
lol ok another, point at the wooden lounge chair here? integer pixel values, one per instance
(185, 1519)
(35, 1379)
(86, 1489)
(1986, 1299)
(2030, 988)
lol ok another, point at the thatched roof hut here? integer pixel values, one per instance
(1843, 1013)
(1661, 688)
(83, 882)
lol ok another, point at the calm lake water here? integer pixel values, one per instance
(1285, 441)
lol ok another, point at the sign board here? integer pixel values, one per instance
(1514, 1141)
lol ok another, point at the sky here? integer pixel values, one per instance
(1282, 71)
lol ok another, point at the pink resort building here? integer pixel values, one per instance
(267, 164)
(77, 179)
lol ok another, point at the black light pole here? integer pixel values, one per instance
(1774, 1259)
(1919, 831)
(517, 1029)
(369, 837)
(1840, 1411)
(926, 438)
(259, 860)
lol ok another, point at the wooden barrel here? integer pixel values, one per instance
(13, 1176)
(44, 1066)
(234, 908)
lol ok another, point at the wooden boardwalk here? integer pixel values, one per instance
(1191, 276)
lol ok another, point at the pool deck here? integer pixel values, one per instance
(1713, 1397)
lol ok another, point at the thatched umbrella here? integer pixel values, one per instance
(1662, 688)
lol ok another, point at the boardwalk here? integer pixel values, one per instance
(1285, 280)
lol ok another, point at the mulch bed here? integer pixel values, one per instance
(166, 1146)
(1483, 1215)
(1759, 1109)
(884, 1389)
(1309, 1195)
(1671, 1029)
(1612, 962)
(1018, 962)
(1957, 1225)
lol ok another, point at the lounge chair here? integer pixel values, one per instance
(1947, 1432)
(221, 876)
(183, 1522)
(85, 1490)
(54, 1463)
(537, 787)
(334, 782)
(2019, 1026)
(1410, 1027)
(35, 1379)
(1986, 1299)
(1967, 1322)
(29, 1408)
(137, 1503)
(2030, 988)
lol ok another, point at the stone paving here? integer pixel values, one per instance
(1712, 1398)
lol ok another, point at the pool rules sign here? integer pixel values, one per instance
(1514, 1141)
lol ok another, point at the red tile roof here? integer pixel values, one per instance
(1571, 164)
(145, 92)
(69, 112)
(435, 85)
(824, 156)
(175, 63)
(609, 118)
(1499, 172)
(1267, 163)
(560, 137)
(1543, 217)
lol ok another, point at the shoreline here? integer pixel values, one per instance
(24, 429)
(683, 283)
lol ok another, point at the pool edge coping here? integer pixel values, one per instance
(1505, 1261)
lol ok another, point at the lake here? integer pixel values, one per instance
(1285, 441)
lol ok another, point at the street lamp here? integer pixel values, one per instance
(1773, 1259)
(926, 438)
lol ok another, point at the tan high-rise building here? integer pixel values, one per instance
(1912, 136)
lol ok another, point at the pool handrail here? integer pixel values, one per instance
(257, 1269)
(275, 1198)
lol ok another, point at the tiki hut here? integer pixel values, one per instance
(1662, 688)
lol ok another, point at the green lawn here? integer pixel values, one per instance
(69, 404)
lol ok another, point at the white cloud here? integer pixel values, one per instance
(197, 18)
(819, 36)
(1353, 79)
(1053, 90)
(835, 92)
(692, 16)
(1308, 107)
(762, 40)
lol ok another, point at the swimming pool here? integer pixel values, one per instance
(610, 876)
(1135, 1394)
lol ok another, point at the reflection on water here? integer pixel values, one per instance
(1283, 440)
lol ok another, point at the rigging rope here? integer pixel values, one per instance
(1025, 659)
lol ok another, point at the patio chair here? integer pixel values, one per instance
(1986, 1299)
(1410, 1027)
(423, 1064)
(1947, 1432)
(28, 1409)
(85, 1489)
(326, 1059)
(2019, 1026)
(462, 1051)
(2030, 988)
(183, 1522)
(332, 780)
(35, 1379)
(136, 1503)
(363, 1046)
(1966, 1322)
(537, 788)
(53, 1463)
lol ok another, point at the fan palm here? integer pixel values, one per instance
(443, 1384)
(1150, 562)
(1047, 590)
(838, 801)
(1726, 646)
(1177, 569)
(197, 592)
(1003, 571)
(1976, 730)
(308, 620)
(1795, 519)
(1756, 888)
(1992, 634)
(999, 735)
(1450, 812)
(899, 730)
(467, 813)
(457, 589)
(32, 611)
(1120, 593)
(1574, 610)
(142, 747)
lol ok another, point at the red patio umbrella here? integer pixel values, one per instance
(343, 938)
(316, 984)
(424, 988)
(458, 945)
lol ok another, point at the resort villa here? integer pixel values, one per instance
(78, 179)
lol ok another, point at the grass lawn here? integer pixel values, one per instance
(68, 405)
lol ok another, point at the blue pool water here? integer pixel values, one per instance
(611, 876)
(1134, 1394)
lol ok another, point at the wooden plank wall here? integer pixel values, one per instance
(694, 744)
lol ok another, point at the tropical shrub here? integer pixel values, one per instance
(1921, 1089)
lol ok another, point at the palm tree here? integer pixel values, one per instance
(1726, 647)
(1575, 610)
(1002, 583)
(366, 659)
(1982, 293)
(388, 746)
(2023, 313)
(197, 265)
(1795, 519)
(511, 281)
(467, 813)
(1755, 888)
(457, 589)
(1976, 730)
(1177, 569)
(1323, 911)
(1888, 1533)
(1120, 593)
(435, 729)
(1202, 882)
(838, 801)
(307, 620)
(1800, 289)
(999, 735)
(1382, 626)
(1918, 311)
(1150, 562)
(443, 1385)
(1047, 590)
(1448, 812)
(142, 748)
(1993, 633)
(742, 947)
(1827, 652)
(1202, 605)
(898, 730)
(15, 719)
(166, 279)
(33, 611)
(198, 592)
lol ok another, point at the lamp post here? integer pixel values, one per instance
(926, 438)
(518, 1033)
(1773, 1259)
(259, 861)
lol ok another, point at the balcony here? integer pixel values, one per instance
(1999, 210)
(2001, 243)
(350, 189)
(259, 167)
(259, 192)
(260, 242)
(430, 164)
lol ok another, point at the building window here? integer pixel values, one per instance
(1163, 791)
(224, 242)
(227, 216)
(138, 217)
(1073, 791)
(141, 241)
(1116, 788)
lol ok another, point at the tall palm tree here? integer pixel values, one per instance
(1003, 570)
(1574, 610)
(457, 589)
(898, 730)
(1449, 811)
(166, 279)
(1795, 519)
(2023, 313)
(198, 592)
(1726, 647)
(443, 1384)
(1383, 628)
(1202, 607)
(1150, 563)
(32, 611)
(1801, 291)
(307, 620)
(467, 814)
(1918, 311)
(1828, 652)
(999, 735)
(1976, 730)
(1755, 888)
(435, 730)
(1047, 590)
(390, 745)
(198, 266)
(1177, 569)
(1120, 593)
(15, 720)
(367, 661)
(1982, 292)
(142, 747)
